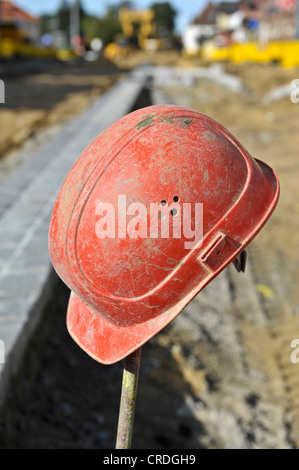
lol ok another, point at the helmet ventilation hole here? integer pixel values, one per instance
(173, 211)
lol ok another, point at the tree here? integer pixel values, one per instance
(164, 18)
(114, 9)
(90, 27)
(109, 27)
(63, 16)
(45, 23)
(105, 28)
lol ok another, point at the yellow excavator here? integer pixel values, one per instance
(139, 31)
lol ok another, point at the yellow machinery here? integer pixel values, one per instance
(285, 53)
(10, 48)
(11, 31)
(15, 43)
(139, 29)
(138, 24)
(120, 48)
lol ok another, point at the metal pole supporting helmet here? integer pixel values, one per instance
(130, 275)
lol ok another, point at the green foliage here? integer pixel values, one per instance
(109, 26)
(105, 28)
(90, 27)
(45, 23)
(114, 9)
(63, 16)
(164, 18)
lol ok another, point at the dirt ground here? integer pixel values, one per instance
(48, 97)
(220, 375)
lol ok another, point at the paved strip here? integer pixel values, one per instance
(187, 77)
(26, 203)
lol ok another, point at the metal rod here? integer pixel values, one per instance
(128, 400)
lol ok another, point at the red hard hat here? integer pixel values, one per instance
(127, 288)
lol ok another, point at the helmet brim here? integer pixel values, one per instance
(106, 342)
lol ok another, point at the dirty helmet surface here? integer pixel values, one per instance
(155, 208)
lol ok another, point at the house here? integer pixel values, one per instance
(242, 21)
(230, 23)
(12, 17)
(277, 20)
(215, 19)
(270, 20)
(229, 16)
(200, 29)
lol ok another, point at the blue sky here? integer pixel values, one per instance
(186, 9)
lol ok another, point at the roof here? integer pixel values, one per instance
(12, 13)
(228, 7)
(209, 13)
(207, 16)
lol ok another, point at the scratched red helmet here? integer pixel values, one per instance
(155, 207)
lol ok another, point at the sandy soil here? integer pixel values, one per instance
(49, 97)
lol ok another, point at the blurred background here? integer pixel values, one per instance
(221, 375)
